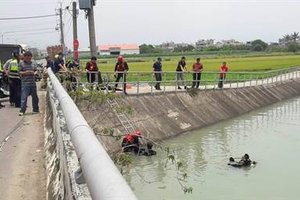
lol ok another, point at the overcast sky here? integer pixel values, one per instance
(152, 21)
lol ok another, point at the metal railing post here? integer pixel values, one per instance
(138, 85)
(152, 84)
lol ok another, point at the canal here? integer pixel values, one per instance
(271, 136)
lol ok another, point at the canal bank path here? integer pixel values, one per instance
(148, 88)
(22, 170)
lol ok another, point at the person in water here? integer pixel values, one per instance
(134, 142)
(244, 162)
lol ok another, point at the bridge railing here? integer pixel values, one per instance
(102, 177)
(144, 82)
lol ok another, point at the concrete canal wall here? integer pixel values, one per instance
(157, 116)
(163, 116)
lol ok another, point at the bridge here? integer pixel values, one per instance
(77, 163)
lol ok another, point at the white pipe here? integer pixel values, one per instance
(103, 179)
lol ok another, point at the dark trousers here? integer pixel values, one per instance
(221, 80)
(15, 91)
(91, 77)
(158, 79)
(4, 84)
(123, 76)
(27, 91)
(221, 83)
(196, 80)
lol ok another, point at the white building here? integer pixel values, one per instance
(84, 52)
(231, 42)
(200, 44)
(119, 49)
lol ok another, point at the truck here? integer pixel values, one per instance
(6, 54)
(7, 49)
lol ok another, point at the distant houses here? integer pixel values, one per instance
(119, 49)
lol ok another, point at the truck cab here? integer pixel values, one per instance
(7, 49)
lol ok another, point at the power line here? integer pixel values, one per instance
(28, 30)
(31, 17)
(25, 35)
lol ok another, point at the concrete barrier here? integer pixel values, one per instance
(61, 159)
(65, 124)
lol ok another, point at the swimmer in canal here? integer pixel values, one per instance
(244, 162)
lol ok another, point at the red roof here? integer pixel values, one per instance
(106, 47)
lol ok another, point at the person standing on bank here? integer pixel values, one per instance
(121, 69)
(92, 71)
(197, 69)
(27, 70)
(1, 82)
(223, 70)
(49, 62)
(59, 64)
(14, 80)
(180, 70)
(157, 70)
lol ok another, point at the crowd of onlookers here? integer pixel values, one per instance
(20, 71)
(93, 72)
(121, 69)
(19, 75)
(181, 69)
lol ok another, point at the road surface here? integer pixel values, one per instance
(22, 168)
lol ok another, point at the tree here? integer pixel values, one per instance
(181, 48)
(293, 47)
(258, 45)
(290, 41)
(287, 38)
(148, 48)
(294, 36)
(144, 48)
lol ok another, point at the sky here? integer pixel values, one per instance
(151, 21)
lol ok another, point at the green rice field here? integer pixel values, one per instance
(260, 63)
(256, 65)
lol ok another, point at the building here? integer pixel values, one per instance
(54, 50)
(169, 46)
(231, 42)
(84, 52)
(119, 49)
(201, 44)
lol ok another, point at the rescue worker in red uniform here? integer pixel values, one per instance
(92, 71)
(121, 69)
(133, 142)
(223, 70)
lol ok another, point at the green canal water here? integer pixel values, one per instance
(271, 136)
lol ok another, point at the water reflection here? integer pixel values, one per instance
(271, 136)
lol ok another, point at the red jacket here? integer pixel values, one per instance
(91, 66)
(121, 66)
(197, 67)
(132, 137)
(223, 70)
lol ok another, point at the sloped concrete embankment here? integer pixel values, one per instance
(163, 116)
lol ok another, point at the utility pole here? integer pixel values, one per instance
(74, 13)
(92, 35)
(75, 37)
(62, 40)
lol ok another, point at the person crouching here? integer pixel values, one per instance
(134, 142)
